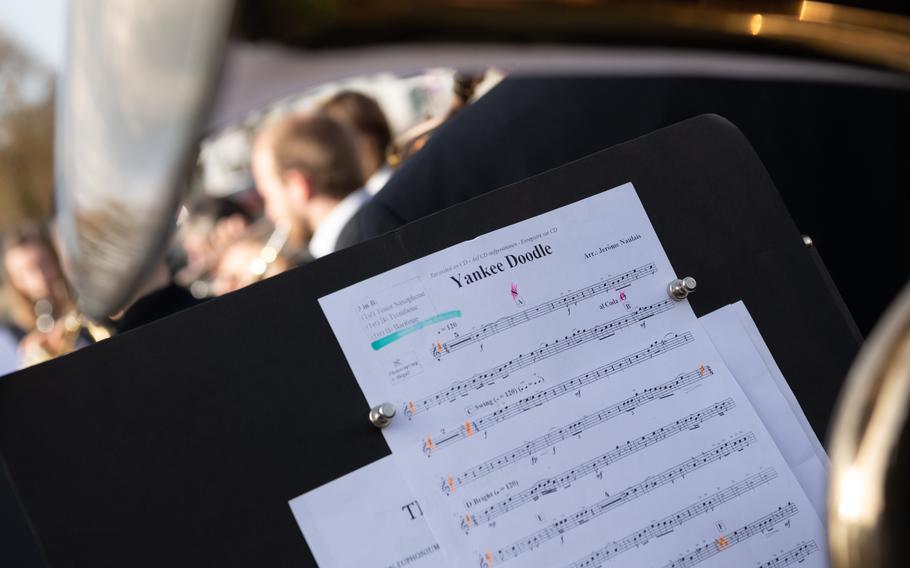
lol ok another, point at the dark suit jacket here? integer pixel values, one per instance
(837, 153)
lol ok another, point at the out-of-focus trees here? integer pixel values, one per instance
(26, 137)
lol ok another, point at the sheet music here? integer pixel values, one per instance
(369, 519)
(557, 409)
(738, 341)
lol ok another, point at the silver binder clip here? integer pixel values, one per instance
(679, 288)
(381, 416)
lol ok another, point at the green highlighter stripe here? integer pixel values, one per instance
(395, 336)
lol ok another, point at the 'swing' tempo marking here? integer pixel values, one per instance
(541, 397)
(490, 376)
(594, 465)
(587, 422)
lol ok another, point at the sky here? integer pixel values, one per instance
(37, 26)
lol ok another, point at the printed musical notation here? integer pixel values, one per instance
(659, 528)
(555, 347)
(575, 428)
(508, 322)
(541, 397)
(649, 484)
(724, 542)
(593, 466)
(553, 422)
(792, 556)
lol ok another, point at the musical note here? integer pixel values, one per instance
(724, 542)
(508, 322)
(553, 437)
(649, 484)
(490, 376)
(792, 556)
(571, 385)
(563, 480)
(667, 524)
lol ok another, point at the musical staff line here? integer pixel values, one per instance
(666, 525)
(593, 466)
(541, 397)
(792, 556)
(490, 376)
(724, 542)
(649, 484)
(586, 422)
(570, 298)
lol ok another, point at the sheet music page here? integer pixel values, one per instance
(557, 408)
(738, 341)
(367, 518)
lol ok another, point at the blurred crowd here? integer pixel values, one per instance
(312, 172)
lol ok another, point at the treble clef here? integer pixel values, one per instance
(466, 524)
(428, 446)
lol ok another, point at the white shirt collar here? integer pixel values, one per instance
(378, 179)
(325, 238)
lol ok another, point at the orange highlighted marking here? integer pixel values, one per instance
(467, 520)
(451, 484)
(701, 370)
(489, 558)
(467, 427)
(722, 543)
(411, 406)
(438, 347)
(429, 443)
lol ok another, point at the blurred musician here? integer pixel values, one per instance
(365, 118)
(308, 172)
(41, 312)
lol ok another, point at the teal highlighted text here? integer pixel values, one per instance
(395, 336)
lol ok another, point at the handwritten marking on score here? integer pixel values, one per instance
(669, 523)
(563, 480)
(544, 308)
(741, 534)
(650, 483)
(553, 437)
(490, 376)
(396, 335)
(792, 556)
(543, 396)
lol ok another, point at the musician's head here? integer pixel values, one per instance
(365, 118)
(32, 273)
(303, 167)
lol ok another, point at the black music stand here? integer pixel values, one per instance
(180, 443)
